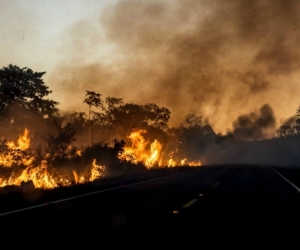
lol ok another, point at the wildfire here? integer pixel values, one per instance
(194, 163)
(17, 155)
(138, 151)
(18, 159)
(97, 171)
(150, 156)
(23, 142)
(78, 179)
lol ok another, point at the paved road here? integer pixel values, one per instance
(234, 207)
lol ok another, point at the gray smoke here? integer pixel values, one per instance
(214, 58)
(291, 121)
(255, 126)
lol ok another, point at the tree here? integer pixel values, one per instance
(128, 116)
(105, 118)
(25, 89)
(92, 99)
(196, 123)
(192, 137)
(156, 116)
(284, 131)
(58, 145)
(297, 127)
(113, 102)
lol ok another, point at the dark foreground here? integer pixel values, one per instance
(234, 207)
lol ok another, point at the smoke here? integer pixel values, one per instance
(255, 126)
(213, 58)
(291, 121)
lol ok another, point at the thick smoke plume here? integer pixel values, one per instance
(214, 58)
(291, 121)
(255, 126)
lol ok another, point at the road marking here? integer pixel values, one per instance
(87, 194)
(291, 183)
(175, 212)
(191, 202)
(200, 195)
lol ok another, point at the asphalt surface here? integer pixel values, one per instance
(235, 207)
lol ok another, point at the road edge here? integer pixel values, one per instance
(289, 182)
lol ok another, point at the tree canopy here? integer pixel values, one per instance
(25, 89)
(128, 116)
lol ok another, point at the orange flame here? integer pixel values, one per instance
(97, 171)
(15, 154)
(23, 142)
(139, 152)
(194, 163)
(40, 176)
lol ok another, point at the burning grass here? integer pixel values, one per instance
(20, 164)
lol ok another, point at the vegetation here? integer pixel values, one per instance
(76, 139)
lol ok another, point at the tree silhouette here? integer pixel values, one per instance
(297, 127)
(25, 89)
(128, 116)
(58, 145)
(285, 130)
(92, 99)
(192, 137)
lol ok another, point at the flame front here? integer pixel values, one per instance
(153, 156)
(16, 157)
(19, 160)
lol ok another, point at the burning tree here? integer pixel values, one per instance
(23, 102)
(57, 162)
(123, 118)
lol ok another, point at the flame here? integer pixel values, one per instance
(23, 142)
(150, 157)
(153, 158)
(39, 176)
(171, 163)
(138, 151)
(97, 171)
(194, 163)
(78, 179)
(18, 155)
(19, 159)
(182, 162)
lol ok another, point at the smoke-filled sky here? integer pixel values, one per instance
(222, 59)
